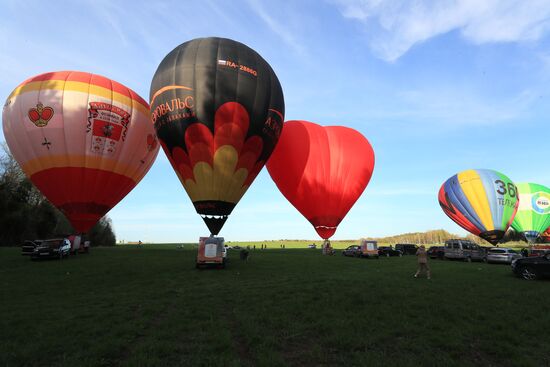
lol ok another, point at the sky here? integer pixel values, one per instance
(437, 87)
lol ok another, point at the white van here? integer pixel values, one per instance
(464, 250)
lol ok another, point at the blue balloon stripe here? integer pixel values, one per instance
(459, 200)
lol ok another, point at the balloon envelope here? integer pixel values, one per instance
(533, 216)
(322, 171)
(481, 201)
(83, 140)
(218, 111)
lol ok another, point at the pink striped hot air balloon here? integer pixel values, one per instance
(85, 141)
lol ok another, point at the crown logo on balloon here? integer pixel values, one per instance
(40, 115)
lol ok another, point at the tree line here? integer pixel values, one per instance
(439, 236)
(25, 214)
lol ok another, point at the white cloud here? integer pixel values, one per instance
(464, 106)
(279, 28)
(394, 26)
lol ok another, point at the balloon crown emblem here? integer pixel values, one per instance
(40, 115)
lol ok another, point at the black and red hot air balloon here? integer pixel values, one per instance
(218, 111)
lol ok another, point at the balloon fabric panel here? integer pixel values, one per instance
(472, 185)
(456, 206)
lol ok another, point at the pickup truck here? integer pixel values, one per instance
(43, 249)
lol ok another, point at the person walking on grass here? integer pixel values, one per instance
(422, 258)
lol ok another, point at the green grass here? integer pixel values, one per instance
(129, 306)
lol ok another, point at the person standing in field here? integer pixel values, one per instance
(422, 258)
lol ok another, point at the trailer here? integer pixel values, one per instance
(368, 249)
(77, 245)
(211, 253)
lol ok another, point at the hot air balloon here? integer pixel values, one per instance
(533, 216)
(83, 140)
(481, 201)
(322, 171)
(218, 111)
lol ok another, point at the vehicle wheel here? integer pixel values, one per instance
(528, 273)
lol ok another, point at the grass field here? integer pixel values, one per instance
(129, 306)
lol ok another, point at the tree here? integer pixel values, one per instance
(102, 233)
(26, 214)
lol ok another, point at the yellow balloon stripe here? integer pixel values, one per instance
(473, 189)
(87, 88)
(57, 161)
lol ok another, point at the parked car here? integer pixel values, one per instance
(502, 255)
(531, 268)
(407, 248)
(464, 250)
(54, 248)
(352, 250)
(388, 251)
(314, 246)
(436, 252)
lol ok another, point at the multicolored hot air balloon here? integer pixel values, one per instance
(218, 111)
(322, 171)
(83, 140)
(533, 216)
(481, 201)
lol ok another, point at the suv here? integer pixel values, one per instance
(464, 250)
(56, 248)
(352, 250)
(531, 268)
(407, 248)
(388, 251)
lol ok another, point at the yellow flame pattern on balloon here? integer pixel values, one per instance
(220, 181)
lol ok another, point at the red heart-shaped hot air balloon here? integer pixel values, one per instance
(322, 171)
